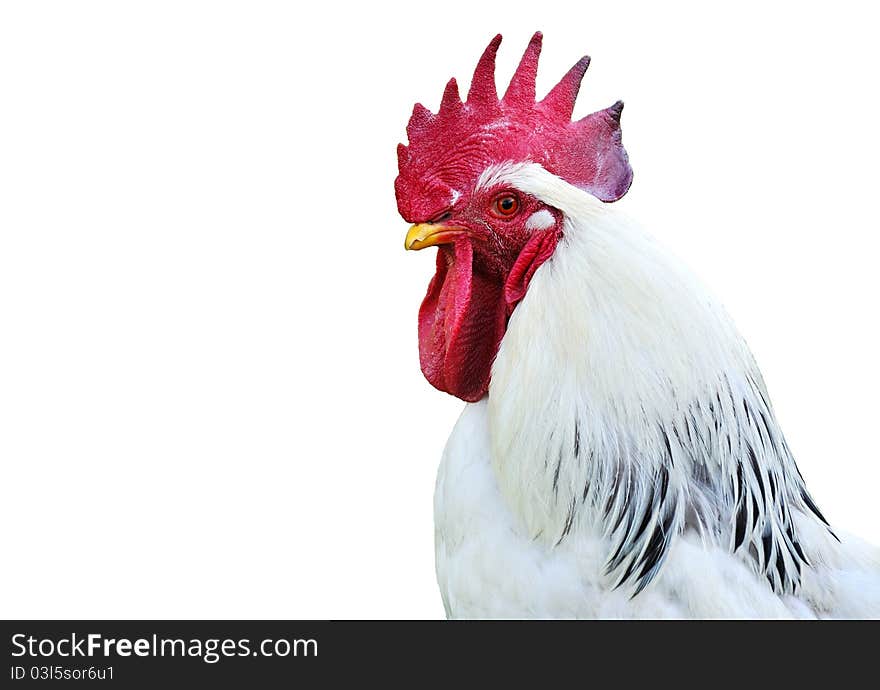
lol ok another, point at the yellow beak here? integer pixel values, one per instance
(430, 234)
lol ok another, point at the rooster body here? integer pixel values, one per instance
(619, 374)
(619, 455)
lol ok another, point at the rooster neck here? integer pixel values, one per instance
(624, 402)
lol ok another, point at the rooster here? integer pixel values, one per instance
(619, 455)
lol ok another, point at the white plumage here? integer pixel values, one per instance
(627, 461)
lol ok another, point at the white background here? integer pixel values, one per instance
(210, 398)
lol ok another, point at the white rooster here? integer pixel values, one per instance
(619, 455)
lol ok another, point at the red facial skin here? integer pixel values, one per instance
(481, 277)
(484, 272)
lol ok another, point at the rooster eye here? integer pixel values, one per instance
(505, 205)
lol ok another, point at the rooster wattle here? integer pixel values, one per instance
(619, 455)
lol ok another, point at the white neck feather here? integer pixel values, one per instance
(623, 401)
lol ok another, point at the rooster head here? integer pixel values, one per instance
(491, 237)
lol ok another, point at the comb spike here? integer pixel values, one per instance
(610, 116)
(522, 85)
(420, 117)
(483, 91)
(451, 100)
(614, 111)
(562, 97)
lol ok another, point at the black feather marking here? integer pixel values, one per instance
(687, 431)
(624, 510)
(556, 475)
(667, 522)
(741, 518)
(646, 518)
(767, 429)
(612, 496)
(678, 438)
(730, 395)
(700, 436)
(619, 554)
(796, 551)
(753, 420)
(757, 472)
(609, 502)
(577, 439)
(767, 542)
(742, 513)
(569, 520)
(627, 574)
(587, 483)
(657, 498)
(812, 506)
(664, 484)
(800, 552)
(668, 447)
(780, 564)
(656, 551)
(748, 412)
(656, 547)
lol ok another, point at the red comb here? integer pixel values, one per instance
(449, 150)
